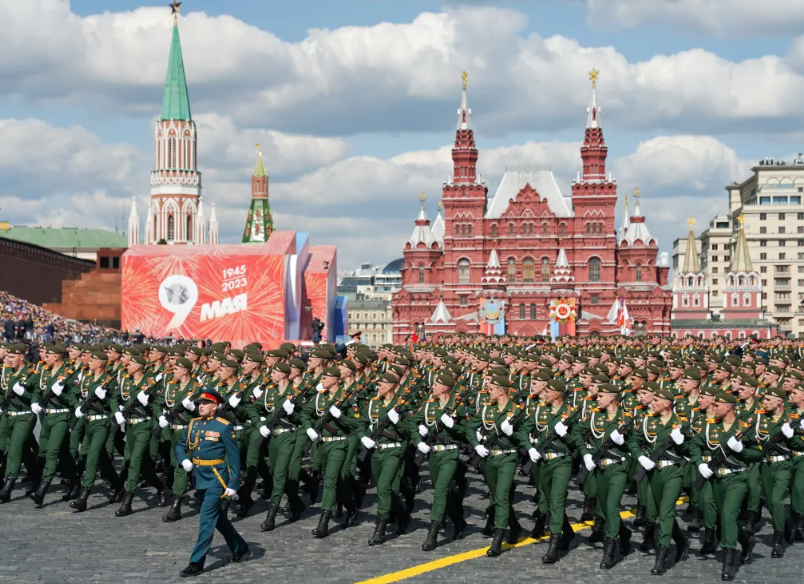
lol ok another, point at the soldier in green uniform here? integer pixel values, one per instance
(797, 483)
(80, 364)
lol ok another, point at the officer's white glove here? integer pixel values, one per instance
(787, 430)
(158, 377)
(142, 397)
(423, 448)
(163, 423)
(288, 406)
(118, 416)
(482, 451)
(36, 408)
(423, 431)
(230, 494)
(677, 436)
(257, 393)
(265, 431)
(18, 389)
(336, 413)
(534, 455)
(393, 416)
(646, 462)
(58, 388)
(312, 434)
(507, 428)
(100, 393)
(234, 401)
(79, 413)
(187, 465)
(588, 462)
(368, 442)
(561, 428)
(188, 404)
(705, 471)
(735, 444)
(618, 438)
(447, 420)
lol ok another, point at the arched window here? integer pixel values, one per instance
(510, 229)
(494, 231)
(600, 229)
(594, 270)
(469, 228)
(189, 226)
(545, 270)
(457, 230)
(544, 228)
(522, 311)
(588, 229)
(747, 299)
(511, 269)
(562, 231)
(171, 152)
(524, 229)
(742, 281)
(463, 271)
(171, 228)
(696, 300)
(638, 272)
(533, 312)
(735, 299)
(527, 270)
(421, 274)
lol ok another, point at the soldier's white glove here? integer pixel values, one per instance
(100, 393)
(312, 434)
(257, 393)
(479, 435)
(79, 413)
(482, 451)
(187, 465)
(677, 436)
(234, 401)
(230, 494)
(801, 424)
(188, 404)
(118, 416)
(423, 431)
(393, 416)
(507, 428)
(265, 431)
(735, 444)
(320, 388)
(787, 430)
(534, 455)
(142, 397)
(588, 462)
(646, 462)
(618, 438)
(336, 413)
(18, 389)
(705, 471)
(368, 442)
(163, 423)
(561, 428)
(158, 377)
(58, 388)
(423, 448)
(36, 408)
(288, 406)
(447, 420)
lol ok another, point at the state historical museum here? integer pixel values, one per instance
(530, 256)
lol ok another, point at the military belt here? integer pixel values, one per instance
(278, 431)
(389, 445)
(333, 438)
(99, 417)
(664, 463)
(443, 447)
(57, 411)
(726, 471)
(609, 461)
(238, 427)
(778, 458)
(135, 421)
(552, 455)
(798, 453)
(178, 426)
(497, 452)
(12, 414)
(199, 462)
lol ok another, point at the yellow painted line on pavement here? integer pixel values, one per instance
(473, 554)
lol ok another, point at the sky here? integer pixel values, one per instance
(354, 103)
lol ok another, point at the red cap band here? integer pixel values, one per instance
(209, 397)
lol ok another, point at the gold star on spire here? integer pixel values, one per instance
(637, 193)
(259, 149)
(439, 206)
(422, 197)
(691, 222)
(464, 76)
(740, 219)
(593, 77)
(175, 8)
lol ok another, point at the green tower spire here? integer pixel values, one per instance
(259, 223)
(175, 99)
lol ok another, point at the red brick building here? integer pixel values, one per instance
(507, 248)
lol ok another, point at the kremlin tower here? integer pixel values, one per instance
(259, 223)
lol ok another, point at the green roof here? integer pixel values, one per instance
(65, 237)
(176, 100)
(259, 168)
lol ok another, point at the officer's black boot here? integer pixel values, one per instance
(728, 572)
(709, 545)
(496, 543)
(80, 504)
(648, 538)
(778, 544)
(378, 538)
(39, 496)
(625, 539)
(538, 528)
(488, 530)
(660, 567)
(588, 513)
(323, 525)
(798, 527)
(598, 531)
(174, 513)
(639, 519)
(431, 542)
(194, 569)
(747, 543)
(609, 559)
(696, 519)
(514, 529)
(125, 506)
(5, 492)
(270, 518)
(567, 534)
(551, 557)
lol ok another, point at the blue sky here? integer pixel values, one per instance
(358, 115)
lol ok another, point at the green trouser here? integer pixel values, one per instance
(611, 481)
(554, 478)
(280, 451)
(94, 455)
(54, 447)
(776, 482)
(18, 435)
(729, 492)
(754, 500)
(644, 495)
(385, 466)
(688, 478)
(115, 441)
(77, 437)
(797, 486)
(498, 472)
(535, 474)
(349, 470)
(137, 459)
(443, 469)
(255, 456)
(331, 457)
(590, 488)
(294, 469)
(664, 486)
(315, 459)
(181, 478)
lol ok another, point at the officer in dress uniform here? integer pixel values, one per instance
(209, 448)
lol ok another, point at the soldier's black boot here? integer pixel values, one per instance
(39, 496)
(648, 538)
(352, 515)
(639, 519)
(75, 490)
(696, 519)
(270, 518)
(296, 510)
(80, 504)
(323, 525)
(174, 513)
(244, 503)
(378, 538)
(609, 559)
(709, 544)
(798, 527)
(788, 531)
(778, 545)
(538, 528)
(727, 575)
(660, 566)
(598, 531)
(567, 534)
(125, 506)
(514, 529)
(194, 569)
(496, 543)
(751, 522)
(625, 539)
(164, 497)
(5, 492)
(313, 484)
(431, 542)
(488, 530)
(747, 543)
(588, 513)
(551, 557)
(682, 543)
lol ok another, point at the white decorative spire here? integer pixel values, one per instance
(213, 226)
(562, 274)
(422, 233)
(438, 227)
(200, 237)
(637, 228)
(626, 224)
(593, 112)
(493, 273)
(494, 261)
(441, 314)
(464, 111)
(133, 224)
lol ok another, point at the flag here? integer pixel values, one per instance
(623, 318)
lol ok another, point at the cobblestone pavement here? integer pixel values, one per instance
(53, 544)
